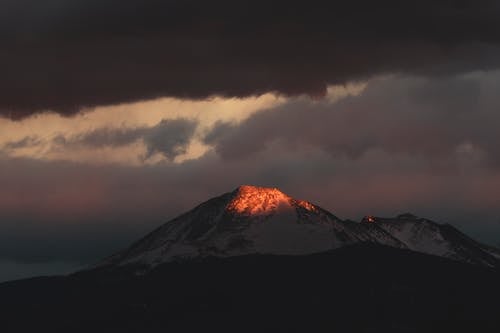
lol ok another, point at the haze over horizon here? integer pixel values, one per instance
(117, 116)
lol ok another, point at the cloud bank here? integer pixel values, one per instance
(434, 119)
(169, 138)
(68, 55)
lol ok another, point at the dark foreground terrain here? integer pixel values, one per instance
(364, 288)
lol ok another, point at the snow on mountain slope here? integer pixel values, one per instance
(429, 237)
(492, 251)
(258, 220)
(247, 220)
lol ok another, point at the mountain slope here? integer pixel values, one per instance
(247, 220)
(258, 220)
(426, 236)
(358, 288)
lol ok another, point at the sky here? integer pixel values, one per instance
(116, 116)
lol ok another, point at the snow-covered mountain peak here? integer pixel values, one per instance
(260, 220)
(248, 220)
(426, 236)
(253, 200)
(257, 201)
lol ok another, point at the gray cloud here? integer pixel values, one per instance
(105, 137)
(435, 119)
(65, 55)
(170, 137)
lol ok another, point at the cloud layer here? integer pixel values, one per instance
(65, 55)
(169, 138)
(435, 119)
(400, 144)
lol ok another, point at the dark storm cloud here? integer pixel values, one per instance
(437, 119)
(65, 55)
(170, 137)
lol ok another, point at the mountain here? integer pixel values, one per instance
(426, 236)
(258, 260)
(259, 220)
(247, 220)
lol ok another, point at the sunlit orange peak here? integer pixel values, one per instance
(306, 205)
(253, 200)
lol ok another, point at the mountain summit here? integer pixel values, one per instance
(259, 220)
(247, 220)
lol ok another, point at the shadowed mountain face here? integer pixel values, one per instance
(359, 288)
(257, 220)
(257, 260)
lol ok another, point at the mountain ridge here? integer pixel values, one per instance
(261, 220)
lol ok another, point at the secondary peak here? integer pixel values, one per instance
(369, 219)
